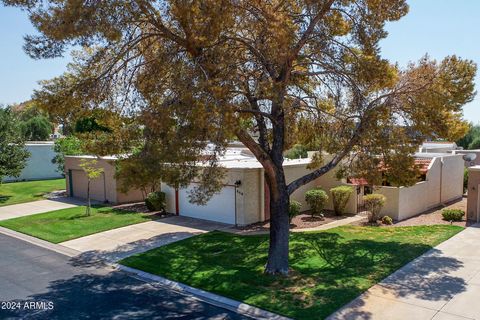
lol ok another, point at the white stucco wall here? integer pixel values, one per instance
(326, 182)
(39, 165)
(444, 182)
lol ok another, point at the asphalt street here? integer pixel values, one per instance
(36, 283)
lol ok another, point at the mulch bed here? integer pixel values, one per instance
(301, 221)
(140, 207)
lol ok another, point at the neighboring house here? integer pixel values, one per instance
(39, 165)
(438, 147)
(244, 198)
(104, 189)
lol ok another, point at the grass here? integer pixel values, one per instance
(66, 224)
(20, 192)
(328, 269)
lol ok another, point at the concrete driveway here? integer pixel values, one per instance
(119, 243)
(65, 288)
(443, 284)
(41, 206)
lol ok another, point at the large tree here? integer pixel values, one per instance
(13, 155)
(268, 73)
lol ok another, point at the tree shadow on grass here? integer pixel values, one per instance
(328, 271)
(4, 199)
(350, 267)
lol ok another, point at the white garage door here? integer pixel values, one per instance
(220, 208)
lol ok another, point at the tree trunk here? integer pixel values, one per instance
(88, 197)
(277, 262)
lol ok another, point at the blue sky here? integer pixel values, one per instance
(436, 27)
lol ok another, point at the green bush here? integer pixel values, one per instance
(316, 199)
(340, 196)
(453, 214)
(296, 152)
(156, 201)
(294, 210)
(387, 220)
(374, 203)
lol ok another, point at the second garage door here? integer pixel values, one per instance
(220, 208)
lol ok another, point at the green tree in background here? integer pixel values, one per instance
(13, 155)
(89, 124)
(38, 128)
(296, 152)
(468, 141)
(68, 146)
(34, 123)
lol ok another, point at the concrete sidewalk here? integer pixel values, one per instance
(441, 284)
(41, 206)
(116, 244)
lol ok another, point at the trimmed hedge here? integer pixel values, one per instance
(453, 214)
(340, 197)
(387, 220)
(374, 203)
(316, 199)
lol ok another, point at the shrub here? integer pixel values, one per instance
(374, 203)
(296, 152)
(453, 214)
(340, 196)
(387, 220)
(156, 201)
(294, 210)
(316, 199)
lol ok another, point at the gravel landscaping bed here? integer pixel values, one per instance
(434, 216)
(431, 217)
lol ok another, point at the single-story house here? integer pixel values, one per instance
(39, 164)
(244, 198)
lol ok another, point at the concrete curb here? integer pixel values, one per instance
(41, 243)
(211, 298)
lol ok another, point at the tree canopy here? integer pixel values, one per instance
(268, 73)
(471, 140)
(13, 155)
(34, 122)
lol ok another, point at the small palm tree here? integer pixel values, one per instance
(93, 172)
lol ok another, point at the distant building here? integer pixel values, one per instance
(438, 147)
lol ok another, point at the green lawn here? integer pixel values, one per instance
(66, 224)
(20, 192)
(329, 268)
